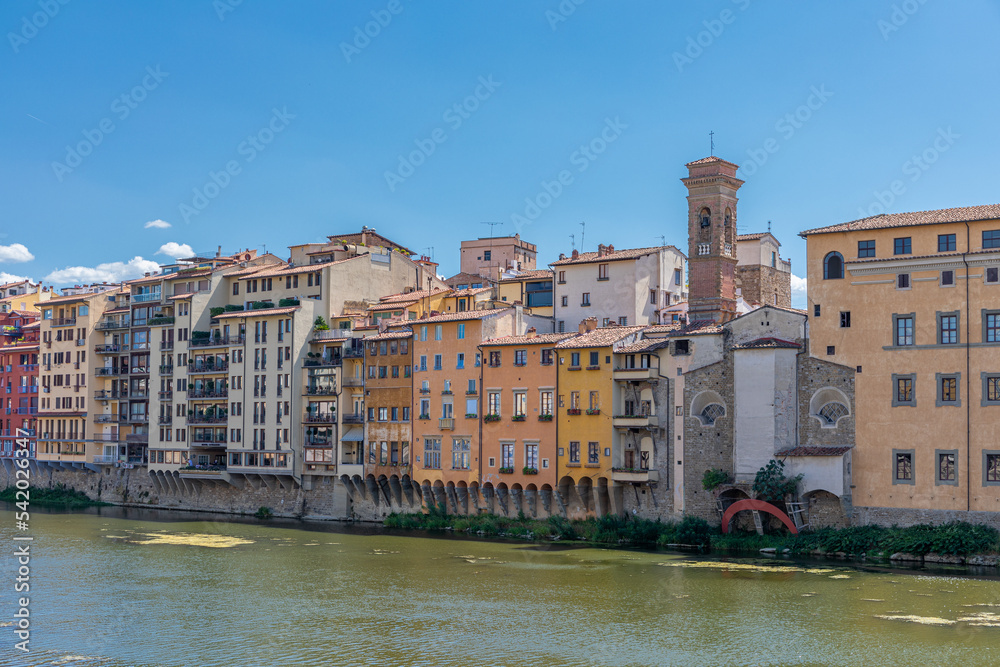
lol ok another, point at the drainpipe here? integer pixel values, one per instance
(968, 375)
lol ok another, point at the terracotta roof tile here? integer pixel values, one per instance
(617, 255)
(538, 339)
(259, 312)
(710, 160)
(472, 291)
(540, 274)
(187, 295)
(814, 451)
(462, 278)
(464, 315)
(411, 296)
(891, 220)
(602, 337)
(392, 305)
(644, 345)
(390, 335)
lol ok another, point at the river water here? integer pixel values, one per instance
(112, 587)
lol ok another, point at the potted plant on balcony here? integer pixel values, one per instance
(491, 418)
(471, 415)
(425, 416)
(544, 418)
(507, 470)
(573, 411)
(518, 418)
(593, 411)
(528, 470)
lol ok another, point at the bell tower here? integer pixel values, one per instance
(712, 186)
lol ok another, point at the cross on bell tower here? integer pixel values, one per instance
(712, 186)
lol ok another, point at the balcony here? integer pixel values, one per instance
(166, 370)
(217, 367)
(164, 420)
(635, 374)
(322, 362)
(165, 395)
(28, 368)
(166, 345)
(110, 395)
(635, 421)
(354, 418)
(161, 320)
(107, 437)
(139, 394)
(217, 341)
(107, 371)
(208, 439)
(446, 424)
(136, 419)
(110, 349)
(318, 441)
(63, 321)
(27, 389)
(104, 460)
(146, 298)
(204, 472)
(207, 418)
(353, 353)
(322, 418)
(634, 475)
(353, 382)
(333, 334)
(207, 393)
(321, 390)
(106, 419)
(114, 323)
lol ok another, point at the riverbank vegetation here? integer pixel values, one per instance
(952, 539)
(59, 495)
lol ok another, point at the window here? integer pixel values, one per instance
(992, 274)
(493, 402)
(437, 332)
(574, 400)
(586, 299)
(494, 358)
(866, 249)
(712, 412)
(461, 331)
(991, 327)
(423, 333)
(903, 281)
(545, 406)
(652, 296)
(774, 259)
(425, 408)
(623, 321)
(903, 325)
(595, 359)
(991, 468)
(507, 456)
(574, 453)
(602, 271)
(487, 255)
(423, 362)
(460, 361)
(947, 328)
(547, 357)
(531, 456)
(903, 390)
(432, 452)
(574, 359)
(947, 471)
(677, 276)
(816, 310)
(902, 466)
(947, 278)
(991, 389)
(394, 414)
(565, 301)
(845, 319)
(460, 453)
(946, 242)
(901, 246)
(520, 357)
(437, 362)
(593, 453)
(383, 414)
(832, 411)
(472, 387)
(562, 276)
(520, 403)
(606, 322)
(833, 266)
(948, 389)
(595, 400)
(991, 239)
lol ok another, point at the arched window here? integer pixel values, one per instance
(712, 412)
(833, 266)
(832, 411)
(705, 217)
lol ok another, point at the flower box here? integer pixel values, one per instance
(529, 471)
(573, 411)
(425, 416)
(491, 418)
(471, 415)
(594, 412)
(544, 418)
(506, 471)
(518, 418)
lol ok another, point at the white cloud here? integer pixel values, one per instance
(111, 272)
(15, 252)
(158, 224)
(798, 285)
(175, 250)
(10, 278)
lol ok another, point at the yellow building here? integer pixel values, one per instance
(585, 407)
(22, 295)
(912, 300)
(532, 289)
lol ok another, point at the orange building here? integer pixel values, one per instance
(389, 401)
(519, 428)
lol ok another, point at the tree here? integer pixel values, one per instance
(320, 324)
(771, 484)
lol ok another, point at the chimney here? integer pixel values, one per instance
(218, 252)
(576, 254)
(602, 250)
(611, 248)
(562, 255)
(531, 333)
(147, 274)
(588, 324)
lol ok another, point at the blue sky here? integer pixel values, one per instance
(253, 124)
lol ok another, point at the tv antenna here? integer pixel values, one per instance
(572, 241)
(430, 252)
(583, 231)
(663, 240)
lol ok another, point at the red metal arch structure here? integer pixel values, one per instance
(759, 505)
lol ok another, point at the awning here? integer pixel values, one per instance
(354, 435)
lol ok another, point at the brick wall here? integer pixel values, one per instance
(759, 283)
(813, 375)
(707, 446)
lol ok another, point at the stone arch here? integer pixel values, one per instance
(462, 497)
(489, 495)
(823, 406)
(437, 496)
(760, 506)
(825, 509)
(705, 225)
(503, 493)
(703, 406)
(833, 266)
(517, 497)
